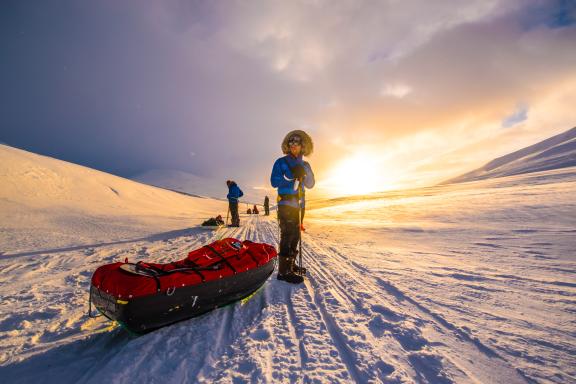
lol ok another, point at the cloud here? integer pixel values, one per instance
(414, 81)
(396, 90)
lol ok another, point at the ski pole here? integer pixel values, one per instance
(300, 229)
(278, 222)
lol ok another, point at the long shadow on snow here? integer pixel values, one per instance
(151, 238)
(67, 363)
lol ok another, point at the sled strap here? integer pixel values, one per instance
(157, 271)
(162, 272)
(252, 257)
(222, 257)
(195, 269)
(154, 270)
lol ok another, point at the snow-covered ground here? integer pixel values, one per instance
(473, 282)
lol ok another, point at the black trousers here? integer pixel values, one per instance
(289, 230)
(234, 212)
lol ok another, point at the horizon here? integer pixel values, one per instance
(470, 175)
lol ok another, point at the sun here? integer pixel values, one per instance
(356, 175)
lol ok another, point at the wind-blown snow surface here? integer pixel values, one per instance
(462, 283)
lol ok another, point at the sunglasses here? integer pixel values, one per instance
(295, 141)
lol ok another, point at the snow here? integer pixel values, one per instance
(553, 153)
(464, 283)
(49, 204)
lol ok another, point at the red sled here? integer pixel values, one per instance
(146, 296)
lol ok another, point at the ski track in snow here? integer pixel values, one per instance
(324, 330)
(354, 319)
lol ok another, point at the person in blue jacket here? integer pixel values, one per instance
(234, 195)
(291, 175)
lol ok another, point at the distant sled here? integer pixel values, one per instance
(146, 296)
(213, 223)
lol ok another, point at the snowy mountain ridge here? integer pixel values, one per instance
(553, 153)
(193, 185)
(184, 182)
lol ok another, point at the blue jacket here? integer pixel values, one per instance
(234, 193)
(284, 181)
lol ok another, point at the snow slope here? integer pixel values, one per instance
(556, 152)
(48, 203)
(464, 283)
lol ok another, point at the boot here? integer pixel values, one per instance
(285, 272)
(295, 268)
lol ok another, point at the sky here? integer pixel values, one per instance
(396, 94)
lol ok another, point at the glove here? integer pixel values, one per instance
(299, 171)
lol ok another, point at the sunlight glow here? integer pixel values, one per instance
(355, 175)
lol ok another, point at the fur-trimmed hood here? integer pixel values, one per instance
(307, 143)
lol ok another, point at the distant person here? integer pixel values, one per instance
(290, 175)
(249, 211)
(234, 195)
(266, 206)
(255, 210)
